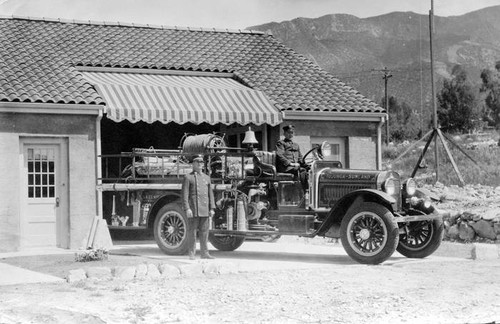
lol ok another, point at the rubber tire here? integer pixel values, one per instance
(226, 242)
(174, 214)
(384, 217)
(431, 245)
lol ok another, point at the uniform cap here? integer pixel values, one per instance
(198, 158)
(288, 127)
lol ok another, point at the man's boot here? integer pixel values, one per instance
(207, 256)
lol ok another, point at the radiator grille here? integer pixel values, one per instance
(329, 194)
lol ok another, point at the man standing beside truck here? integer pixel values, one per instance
(198, 204)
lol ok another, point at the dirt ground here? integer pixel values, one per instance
(437, 290)
(433, 290)
(329, 289)
(59, 265)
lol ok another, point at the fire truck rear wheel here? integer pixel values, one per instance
(226, 242)
(369, 233)
(170, 230)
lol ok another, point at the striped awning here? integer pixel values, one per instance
(182, 99)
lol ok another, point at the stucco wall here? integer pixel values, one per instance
(82, 194)
(362, 152)
(79, 132)
(9, 192)
(361, 139)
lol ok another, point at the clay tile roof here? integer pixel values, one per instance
(38, 59)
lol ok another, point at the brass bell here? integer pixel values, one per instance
(250, 137)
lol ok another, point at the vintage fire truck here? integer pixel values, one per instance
(374, 213)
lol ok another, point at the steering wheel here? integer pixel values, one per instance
(312, 155)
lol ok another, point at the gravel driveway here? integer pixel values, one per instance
(284, 282)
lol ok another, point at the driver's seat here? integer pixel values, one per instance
(265, 166)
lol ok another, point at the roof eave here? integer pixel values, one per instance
(335, 116)
(50, 108)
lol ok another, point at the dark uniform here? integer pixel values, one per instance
(198, 196)
(288, 152)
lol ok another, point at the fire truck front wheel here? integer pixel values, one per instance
(369, 233)
(170, 230)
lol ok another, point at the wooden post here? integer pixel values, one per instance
(434, 108)
(386, 78)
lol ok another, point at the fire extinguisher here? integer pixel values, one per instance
(241, 216)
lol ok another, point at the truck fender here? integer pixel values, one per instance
(159, 203)
(352, 199)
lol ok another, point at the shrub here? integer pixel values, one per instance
(390, 152)
(91, 255)
(485, 172)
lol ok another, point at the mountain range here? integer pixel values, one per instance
(358, 50)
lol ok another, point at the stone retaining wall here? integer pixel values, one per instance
(151, 271)
(470, 227)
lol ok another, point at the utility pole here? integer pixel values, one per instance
(387, 75)
(433, 88)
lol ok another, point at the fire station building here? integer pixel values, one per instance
(72, 90)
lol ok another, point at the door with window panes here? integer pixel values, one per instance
(40, 213)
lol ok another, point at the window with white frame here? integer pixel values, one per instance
(337, 147)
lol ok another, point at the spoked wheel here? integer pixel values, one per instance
(421, 239)
(226, 242)
(369, 233)
(170, 230)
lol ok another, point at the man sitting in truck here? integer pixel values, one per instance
(289, 157)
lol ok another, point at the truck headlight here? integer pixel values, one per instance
(325, 149)
(390, 186)
(410, 187)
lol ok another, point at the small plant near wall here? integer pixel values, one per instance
(91, 255)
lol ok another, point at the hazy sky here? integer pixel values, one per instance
(233, 14)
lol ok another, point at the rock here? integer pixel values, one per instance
(484, 251)
(466, 232)
(141, 270)
(439, 185)
(491, 214)
(76, 275)
(191, 270)
(466, 216)
(454, 215)
(484, 229)
(453, 232)
(153, 271)
(476, 217)
(99, 273)
(169, 271)
(228, 268)
(451, 196)
(497, 190)
(496, 228)
(211, 267)
(124, 273)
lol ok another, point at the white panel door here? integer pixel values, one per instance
(41, 174)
